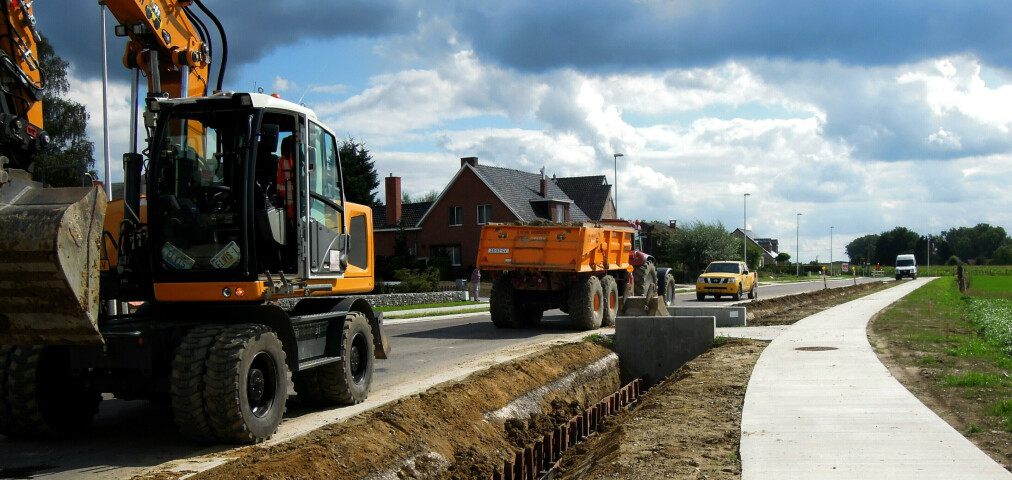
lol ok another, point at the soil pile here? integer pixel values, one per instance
(789, 309)
(463, 430)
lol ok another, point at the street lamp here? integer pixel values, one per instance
(615, 156)
(831, 251)
(797, 247)
(744, 227)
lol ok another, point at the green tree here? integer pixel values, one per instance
(429, 196)
(1003, 255)
(783, 257)
(979, 241)
(755, 256)
(69, 154)
(862, 249)
(359, 171)
(895, 242)
(700, 243)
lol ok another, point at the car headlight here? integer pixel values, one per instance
(700, 280)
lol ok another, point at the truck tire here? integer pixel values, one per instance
(41, 396)
(752, 292)
(737, 296)
(6, 416)
(246, 384)
(348, 381)
(700, 297)
(586, 303)
(666, 285)
(644, 276)
(609, 288)
(186, 385)
(503, 306)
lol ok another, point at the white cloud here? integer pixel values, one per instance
(282, 85)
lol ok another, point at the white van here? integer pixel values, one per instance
(906, 266)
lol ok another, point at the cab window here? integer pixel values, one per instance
(325, 178)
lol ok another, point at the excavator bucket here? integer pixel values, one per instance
(49, 263)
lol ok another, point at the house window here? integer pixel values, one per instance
(560, 213)
(484, 214)
(450, 251)
(456, 215)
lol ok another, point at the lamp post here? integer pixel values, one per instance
(929, 255)
(615, 156)
(797, 247)
(831, 251)
(744, 227)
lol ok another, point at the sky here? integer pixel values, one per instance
(860, 115)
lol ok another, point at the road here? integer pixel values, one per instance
(131, 437)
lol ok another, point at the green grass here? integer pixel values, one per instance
(1003, 410)
(974, 429)
(425, 305)
(719, 340)
(604, 340)
(928, 360)
(972, 379)
(436, 314)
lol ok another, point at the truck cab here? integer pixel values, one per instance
(906, 266)
(730, 278)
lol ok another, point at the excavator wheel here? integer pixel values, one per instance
(347, 382)
(503, 305)
(644, 276)
(186, 386)
(6, 416)
(586, 303)
(246, 384)
(42, 400)
(610, 289)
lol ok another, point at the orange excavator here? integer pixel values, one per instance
(227, 271)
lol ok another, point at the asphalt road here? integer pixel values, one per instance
(128, 438)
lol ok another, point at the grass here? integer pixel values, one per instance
(399, 308)
(719, 340)
(436, 313)
(972, 379)
(604, 340)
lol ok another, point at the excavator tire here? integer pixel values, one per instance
(586, 303)
(504, 309)
(41, 397)
(186, 385)
(246, 384)
(669, 289)
(610, 289)
(6, 416)
(644, 276)
(347, 382)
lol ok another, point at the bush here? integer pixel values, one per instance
(417, 281)
(953, 260)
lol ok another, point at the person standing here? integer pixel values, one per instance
(476, 282)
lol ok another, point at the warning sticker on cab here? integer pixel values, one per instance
(498, 250)
(227, 257)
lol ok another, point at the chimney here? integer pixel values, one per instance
(393, 187)
(673, 224)
(472, 161)
(544, 187)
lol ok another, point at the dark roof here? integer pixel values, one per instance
(411, 213)
(591, 193)
(521, 191)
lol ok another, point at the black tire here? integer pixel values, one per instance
(533, 316)
(700, 297)
(348, 381)
(41, 396)
(667, 288)
(502, 304)
(186, 385)
(246, 384)
(751, 293)
(899, 277)
(737, 296)
(6, 416)
(716, 297)
(586, 303)
(644, 276)
(609, 287)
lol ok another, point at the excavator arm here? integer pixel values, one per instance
(21, 85)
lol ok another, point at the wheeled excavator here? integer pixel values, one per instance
(225, 276)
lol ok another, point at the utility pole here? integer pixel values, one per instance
(744, 228)
(797, 246)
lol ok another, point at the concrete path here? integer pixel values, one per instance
(833, 410)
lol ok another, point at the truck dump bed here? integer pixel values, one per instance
(554, 248)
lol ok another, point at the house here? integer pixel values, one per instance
(769, 246)
(480, 194)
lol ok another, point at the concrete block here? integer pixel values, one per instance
(727, 316)
(653, 347)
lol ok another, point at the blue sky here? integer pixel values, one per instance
(861, 115)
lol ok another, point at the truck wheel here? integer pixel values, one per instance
(737, 296)
(186, 385)
(644, 276)
(533, 316)
(700, 297)
(6, 416)
(503, 306)
(41, 396)
(348, 381)
(751, 293)
(668, 289)
(586, 303)
(609, 287)
(246, 384)
(899, 277)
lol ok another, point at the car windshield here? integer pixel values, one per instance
(904, 263)
(724, 267)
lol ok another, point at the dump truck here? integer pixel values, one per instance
(234, 275)
(582, 269)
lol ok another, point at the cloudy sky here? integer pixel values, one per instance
(861, 115)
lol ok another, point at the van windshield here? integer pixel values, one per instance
(906, 262)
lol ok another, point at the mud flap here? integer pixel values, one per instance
(49, 263)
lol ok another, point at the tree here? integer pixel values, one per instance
(429, 196)
(699, 244)
(359, 171)
(862, 249)
(1002, 256)
(979, 241)
(783, 257)
(69, 154)
(895, 242)
(755, 256)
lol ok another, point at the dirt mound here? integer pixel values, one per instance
(688, 426)
(788, 309)
(462, 430)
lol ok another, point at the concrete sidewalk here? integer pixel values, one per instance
(820, 405)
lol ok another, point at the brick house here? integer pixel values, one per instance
(479, 194)
(770, 246)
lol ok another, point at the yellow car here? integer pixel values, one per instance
(725, 278)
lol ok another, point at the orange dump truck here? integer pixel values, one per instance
(581, 269)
